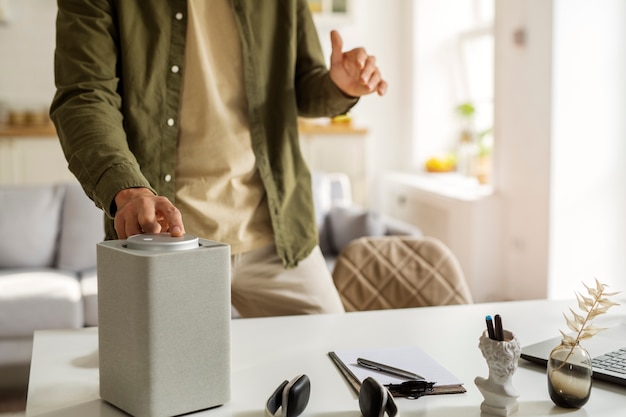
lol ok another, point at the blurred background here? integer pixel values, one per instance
(502, 134)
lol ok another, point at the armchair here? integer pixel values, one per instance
(340, 221)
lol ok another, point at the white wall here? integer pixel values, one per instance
(26, 54)
(588, 147)
(560, 105)
(522, 130)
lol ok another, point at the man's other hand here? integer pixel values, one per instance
(354, 72)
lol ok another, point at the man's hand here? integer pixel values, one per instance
(140, 211)
(354, 72)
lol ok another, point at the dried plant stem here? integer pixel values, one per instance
(596, 304)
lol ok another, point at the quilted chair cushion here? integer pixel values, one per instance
(377, 273)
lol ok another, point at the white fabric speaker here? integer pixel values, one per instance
(164, 324)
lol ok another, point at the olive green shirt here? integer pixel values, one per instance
(118, 71)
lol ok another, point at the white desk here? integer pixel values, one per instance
(64, 374)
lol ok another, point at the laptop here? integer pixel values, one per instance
(607, 349)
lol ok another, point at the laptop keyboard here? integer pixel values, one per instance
(613, 361)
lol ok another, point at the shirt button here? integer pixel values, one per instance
(168, 178)
(175, 69)
(170, 122)
(179, 16)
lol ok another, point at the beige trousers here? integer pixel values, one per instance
(261, 286)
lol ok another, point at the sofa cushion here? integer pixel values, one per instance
(82, 228)
(344, 224)
(29, 221)
(38, 299)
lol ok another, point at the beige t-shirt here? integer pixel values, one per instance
(218, 187)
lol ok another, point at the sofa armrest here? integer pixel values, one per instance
(82, 228)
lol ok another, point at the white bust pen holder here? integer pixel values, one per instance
(164, 324)
(502, 358)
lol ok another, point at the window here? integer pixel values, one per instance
(454, 80)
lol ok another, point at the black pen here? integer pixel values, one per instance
(381, 367)
(490, 331)
(498, 330)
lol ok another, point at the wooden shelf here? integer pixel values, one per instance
(9, 131)
(309, 128)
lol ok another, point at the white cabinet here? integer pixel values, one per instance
(463, 215)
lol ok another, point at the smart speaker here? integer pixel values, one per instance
(164, 324)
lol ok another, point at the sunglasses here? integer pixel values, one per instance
(292, 397)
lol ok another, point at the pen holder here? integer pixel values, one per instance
(502, 358)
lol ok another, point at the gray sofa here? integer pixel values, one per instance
(47, 265)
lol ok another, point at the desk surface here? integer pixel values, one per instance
(64, 373)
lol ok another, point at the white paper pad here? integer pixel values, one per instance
(410, 358)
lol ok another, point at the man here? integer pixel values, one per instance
(172, 110)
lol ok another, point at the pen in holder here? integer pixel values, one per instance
(502, 357)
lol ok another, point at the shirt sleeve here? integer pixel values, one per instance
(86, 108)
(316, 94)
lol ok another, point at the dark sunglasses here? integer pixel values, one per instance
(292, 397)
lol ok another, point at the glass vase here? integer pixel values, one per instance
(569, 375)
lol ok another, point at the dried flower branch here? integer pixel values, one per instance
(595, 304)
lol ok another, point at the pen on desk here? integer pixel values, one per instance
(490, 330)
(380, 367)
(498, 328)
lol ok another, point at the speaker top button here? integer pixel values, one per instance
(162, 242)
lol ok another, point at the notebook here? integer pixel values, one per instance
(607, 350)
(410, 358)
